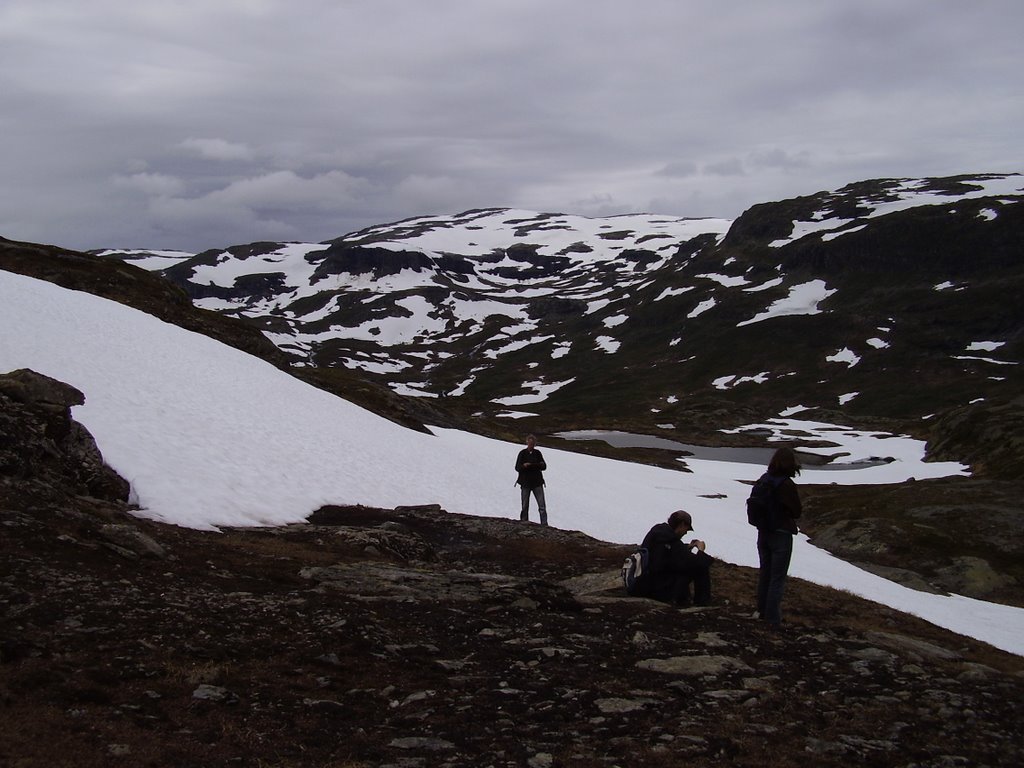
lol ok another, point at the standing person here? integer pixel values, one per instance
(530, 465)
(674, 564)
(775, 542)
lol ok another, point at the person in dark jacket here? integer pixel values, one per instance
(673, 564)
(530, 465)
(775, 544)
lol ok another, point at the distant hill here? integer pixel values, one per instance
(892, 302)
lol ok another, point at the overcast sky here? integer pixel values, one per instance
(196, 124)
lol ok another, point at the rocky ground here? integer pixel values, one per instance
(957, 534)
(413, 637)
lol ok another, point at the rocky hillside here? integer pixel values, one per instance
(413, 637)
(151, 293)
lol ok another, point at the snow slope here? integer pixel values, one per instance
(208, 436)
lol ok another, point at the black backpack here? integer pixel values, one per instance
(634, 572)
(763, 504)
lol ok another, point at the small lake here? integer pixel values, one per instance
(710, 453)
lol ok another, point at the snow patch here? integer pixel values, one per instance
(803, 299)
(701, 308)
(844, 355)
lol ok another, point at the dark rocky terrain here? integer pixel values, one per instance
(412, 637)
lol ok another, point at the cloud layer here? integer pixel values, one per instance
(195, 125)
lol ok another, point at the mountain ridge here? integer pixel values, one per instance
(500, 311)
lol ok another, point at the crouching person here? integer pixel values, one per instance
(673, 564)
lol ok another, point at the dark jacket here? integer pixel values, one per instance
(533, 476)
(789, 504)
(668, 554)
(671, 566)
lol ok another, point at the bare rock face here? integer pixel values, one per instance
(39, 439)
(854, 538)
(29, 387)
(971, 535)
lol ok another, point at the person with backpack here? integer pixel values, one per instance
(530, 465)
(674, 564)
(776, 528)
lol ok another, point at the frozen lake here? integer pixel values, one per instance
(740, 455)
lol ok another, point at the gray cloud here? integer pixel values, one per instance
(731, 166)
(218, 149)
(678, 169)
(197, 125)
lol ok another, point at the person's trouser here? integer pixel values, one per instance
(774, 550)
(538, 492)
(674, 587)
(700, 575)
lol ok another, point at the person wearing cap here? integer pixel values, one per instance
(675, 564)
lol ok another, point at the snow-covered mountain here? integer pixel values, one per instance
(396, 300)
(884, 299)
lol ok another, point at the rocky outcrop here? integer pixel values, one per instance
(951, 535)
(40, 441)
(988, 435)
